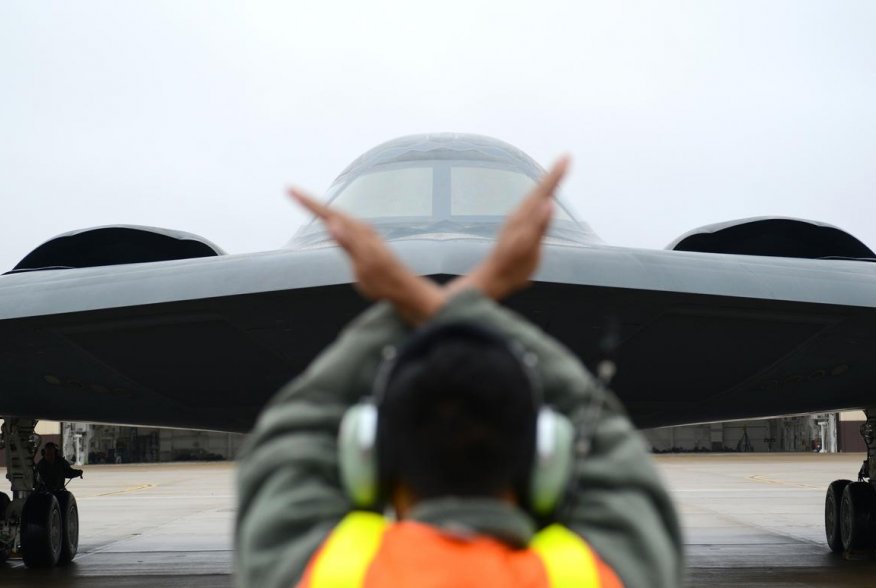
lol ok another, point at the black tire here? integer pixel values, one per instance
(69, 526)
(4, 504)
(41, 531)
(858, 506)
(832, 515)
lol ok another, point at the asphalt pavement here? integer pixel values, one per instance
(749, 520)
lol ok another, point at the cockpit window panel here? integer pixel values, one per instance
(403, 192)
(489, 191)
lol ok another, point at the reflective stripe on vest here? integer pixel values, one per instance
(348, 551)
(566, 557)
(352, 546)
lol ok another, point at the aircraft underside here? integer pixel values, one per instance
(213, 363)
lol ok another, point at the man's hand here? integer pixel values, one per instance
(515, 257)
(380, 275)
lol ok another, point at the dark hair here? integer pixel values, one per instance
(457, 416)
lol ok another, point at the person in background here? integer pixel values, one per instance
(53, 469)
(438, 394)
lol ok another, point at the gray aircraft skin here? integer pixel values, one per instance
(145, 326)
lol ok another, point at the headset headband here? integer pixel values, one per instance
(423, 340)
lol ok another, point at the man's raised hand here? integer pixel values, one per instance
(517, 252)
(380, 275)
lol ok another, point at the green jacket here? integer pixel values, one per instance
(290, 495)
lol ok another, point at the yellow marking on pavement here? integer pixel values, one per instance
(765, 480)
(131, 489)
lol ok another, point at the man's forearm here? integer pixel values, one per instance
(417, 300)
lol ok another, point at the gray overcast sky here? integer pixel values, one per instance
(195, 115)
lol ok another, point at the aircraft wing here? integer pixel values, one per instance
(159, 327)
(204, 343)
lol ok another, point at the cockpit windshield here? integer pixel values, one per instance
(438, 189)
(441, 185)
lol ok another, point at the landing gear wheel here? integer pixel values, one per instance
(832, 515)
(858, 505)
(69, 526)
(41, 530)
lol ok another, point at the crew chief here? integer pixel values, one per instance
(296, 525)
(54, 469)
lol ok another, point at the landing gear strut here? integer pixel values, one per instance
(850, 507)
(41, 526)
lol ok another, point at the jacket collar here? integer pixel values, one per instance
(467, 517)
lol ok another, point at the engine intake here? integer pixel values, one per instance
(775, 237)
(115, 245)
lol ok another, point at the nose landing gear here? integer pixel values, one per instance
(850, 507)
(41, 526)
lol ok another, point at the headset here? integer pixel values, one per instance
(357, 439)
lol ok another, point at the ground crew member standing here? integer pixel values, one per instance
(462, 420)
(54, 469)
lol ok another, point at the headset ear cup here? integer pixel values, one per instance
(357, 454)
(552, 466)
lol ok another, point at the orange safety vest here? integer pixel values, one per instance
(366, 551)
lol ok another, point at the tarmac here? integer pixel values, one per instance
(758, 519)
(749, 520)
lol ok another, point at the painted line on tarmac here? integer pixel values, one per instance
(775, 489)
(129, 496)
(131, 489)
(765, 480)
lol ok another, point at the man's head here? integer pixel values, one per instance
(50, 451)
(457, 417)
